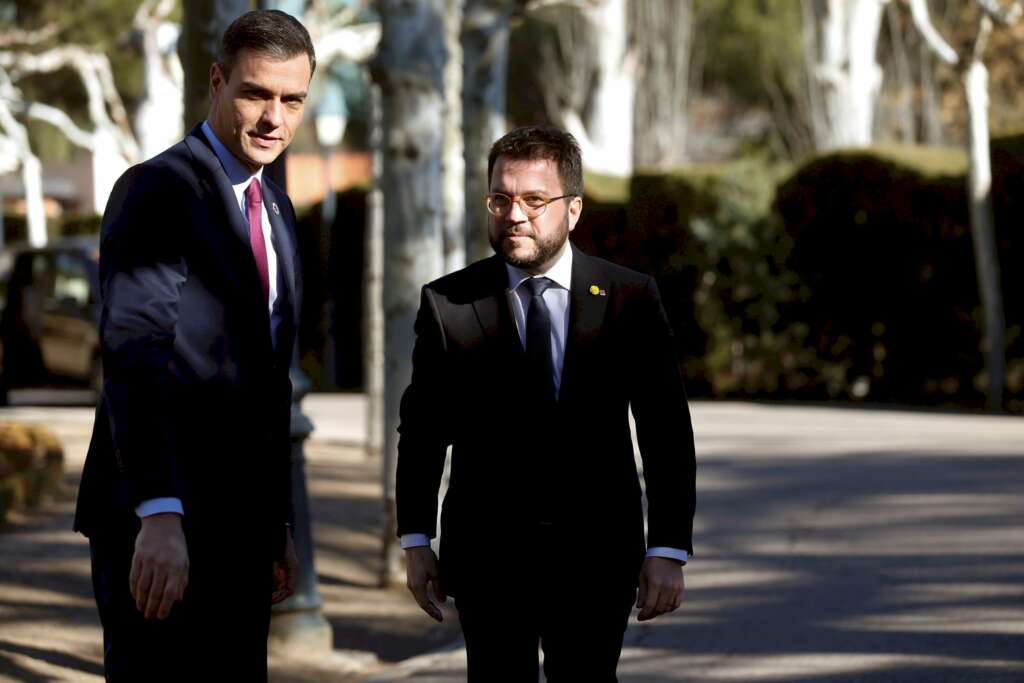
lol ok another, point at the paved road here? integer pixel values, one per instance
(832, 545)
(839, 545)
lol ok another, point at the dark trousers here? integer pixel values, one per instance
(554, 599)
(218, 632)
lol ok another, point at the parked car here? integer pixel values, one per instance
(49, 324)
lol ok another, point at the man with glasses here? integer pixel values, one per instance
(527, 364)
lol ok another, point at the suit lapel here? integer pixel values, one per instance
(586, 315)
(284, 245)
(206, 157)
(492, 309)
(237, 241)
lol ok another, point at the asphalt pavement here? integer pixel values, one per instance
(831, 545)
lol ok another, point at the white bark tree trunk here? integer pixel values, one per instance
(410, 70)
(373, 357)
(983, 229)
(606, 134)
(485, 33)
(662, 32)
(453, 172)
(32, 179)
(160, 115)
(974, 78)
(846, 71)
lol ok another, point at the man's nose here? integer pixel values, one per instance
(516, 213)
(273, 113)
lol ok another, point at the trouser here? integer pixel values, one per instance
(218, 632)
(552, 598)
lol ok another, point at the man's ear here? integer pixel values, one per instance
(575, 210)
(217, 79)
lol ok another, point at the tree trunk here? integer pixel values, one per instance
(485, 33)
(453, 172)
(846, 72)
(606, 133)
(373, 354)
(662, 32)
(35, 215)
(107, 166)
(159, 117)
(410, 71)
(979, 186)
(986, 256)
(203, 23)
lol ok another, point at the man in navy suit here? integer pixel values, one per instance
(527, 364)
(185, 495)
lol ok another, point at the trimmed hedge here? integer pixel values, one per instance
(888, 287)
(851, 279)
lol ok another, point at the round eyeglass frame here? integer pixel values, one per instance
(531, 212)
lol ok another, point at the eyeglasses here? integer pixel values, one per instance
(533, 205)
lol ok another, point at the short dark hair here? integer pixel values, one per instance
(531, 143)
(271, 32)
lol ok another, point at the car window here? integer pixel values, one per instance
(71, 284)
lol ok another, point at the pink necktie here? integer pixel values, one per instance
(254, 204)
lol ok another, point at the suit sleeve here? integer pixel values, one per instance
(142, 271)
(423, 436)
(663, 427)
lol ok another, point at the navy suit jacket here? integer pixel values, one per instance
(510, 448)
(196, 400)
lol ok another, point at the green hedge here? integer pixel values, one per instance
(888, 287)
(848, 278)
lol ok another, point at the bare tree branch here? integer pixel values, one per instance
(61, 121)
(104, 103)
(20, 37)
(938, 44)
(1004, 16)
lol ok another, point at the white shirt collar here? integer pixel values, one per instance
(238, 174)
(560, 273)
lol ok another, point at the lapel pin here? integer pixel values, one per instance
(273, 205)
(595, 291)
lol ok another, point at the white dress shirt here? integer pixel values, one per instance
(557, 299)
(240, 177)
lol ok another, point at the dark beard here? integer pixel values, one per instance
(546, 250)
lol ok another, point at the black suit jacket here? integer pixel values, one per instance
(196, 400)
(468, 390)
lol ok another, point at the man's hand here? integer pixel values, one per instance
(423, 579)
(661, 587)
(159, 566)
(285, 571)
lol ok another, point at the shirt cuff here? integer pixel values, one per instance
(671, 553)
(414, 540)
(156, 506)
